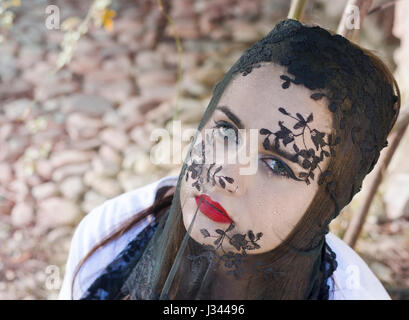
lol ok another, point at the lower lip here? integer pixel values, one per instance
(213, 210)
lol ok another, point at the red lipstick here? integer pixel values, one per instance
(212, 209)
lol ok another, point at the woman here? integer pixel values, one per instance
(303, 114)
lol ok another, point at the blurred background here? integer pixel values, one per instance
(84, 83)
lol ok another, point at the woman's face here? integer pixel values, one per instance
(256, 211)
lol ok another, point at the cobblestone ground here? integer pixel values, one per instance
(71, 140)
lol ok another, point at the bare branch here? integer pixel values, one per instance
(296, 9)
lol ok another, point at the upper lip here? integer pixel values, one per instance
(212, 209)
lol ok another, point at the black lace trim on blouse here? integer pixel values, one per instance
(328, 266)
(107, 286)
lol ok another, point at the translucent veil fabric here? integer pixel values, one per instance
(175, 266)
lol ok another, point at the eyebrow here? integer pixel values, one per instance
(239, 124)
(231, 116)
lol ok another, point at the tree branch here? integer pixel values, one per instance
(296, 9)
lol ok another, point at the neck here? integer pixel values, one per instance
(278, 274)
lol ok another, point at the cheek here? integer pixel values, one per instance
(277, 207)
(187, 192)
(187, 202)
(184, 187)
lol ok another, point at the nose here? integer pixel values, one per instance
(227, 179)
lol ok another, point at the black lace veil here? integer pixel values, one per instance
(364, 108)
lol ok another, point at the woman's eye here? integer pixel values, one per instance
(277, 167)
(227, 131)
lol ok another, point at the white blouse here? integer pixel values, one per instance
(352, 280)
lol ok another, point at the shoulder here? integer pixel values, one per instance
(103, 219)
(99, 223)
(352, 280)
